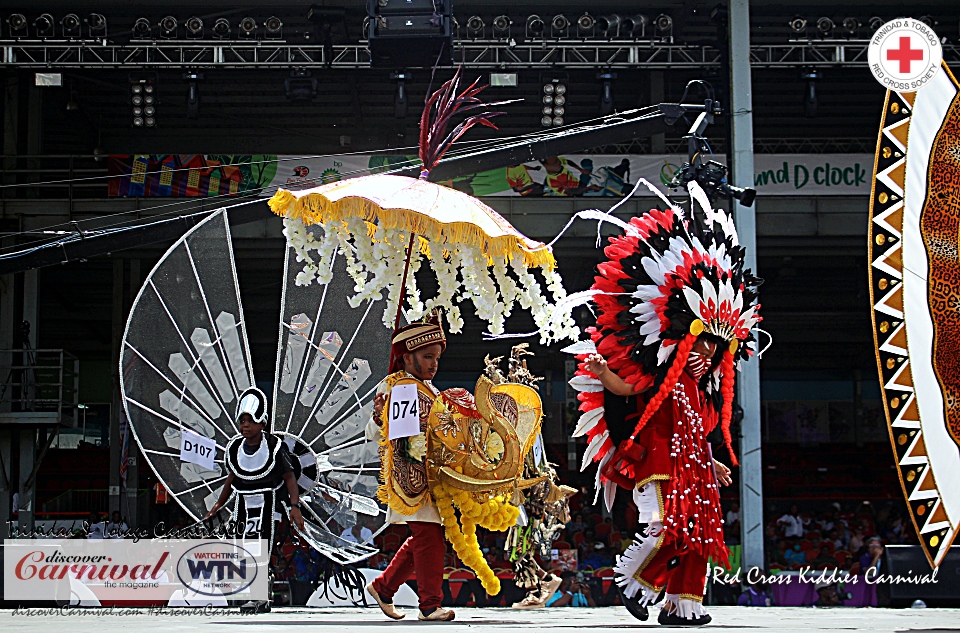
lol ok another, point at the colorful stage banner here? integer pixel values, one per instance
(579, 175)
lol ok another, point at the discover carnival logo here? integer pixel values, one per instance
(121, 570)
(217, 568)
(904, 54)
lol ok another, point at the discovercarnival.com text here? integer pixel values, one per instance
(114, 611)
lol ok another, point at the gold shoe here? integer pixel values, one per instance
(440, 615)
(533, 600)
(387, 607)
(550, 587)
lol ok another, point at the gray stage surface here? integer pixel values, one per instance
(348, 620)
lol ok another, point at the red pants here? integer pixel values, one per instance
(683, 572)
(422, 553)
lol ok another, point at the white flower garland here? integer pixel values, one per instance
(463, 273)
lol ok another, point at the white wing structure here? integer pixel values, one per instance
(185, 359)
(330, 360)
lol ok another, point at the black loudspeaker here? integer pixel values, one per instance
(394, 7)
(410, 33)
(908, 562)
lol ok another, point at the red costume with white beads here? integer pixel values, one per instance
(671, 284)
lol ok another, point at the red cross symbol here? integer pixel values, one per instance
(905, 55)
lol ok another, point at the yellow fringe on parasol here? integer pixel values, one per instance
(427, 209)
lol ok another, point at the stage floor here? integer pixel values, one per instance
(352, 620)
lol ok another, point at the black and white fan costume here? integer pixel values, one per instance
(186, 368)
(260, 498)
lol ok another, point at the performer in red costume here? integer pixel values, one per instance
(675, 311)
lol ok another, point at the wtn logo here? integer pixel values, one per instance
(205, 569)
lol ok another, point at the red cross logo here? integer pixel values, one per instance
(905, 55)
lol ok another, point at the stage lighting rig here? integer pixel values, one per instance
(248, 27)
(194, 27)
(559, 26)
(606, 92)
(17, 23)
(501, 27)
(96, 25)
(475, 26)
(811, 101)
(221, 28)
(825, 26)
(586, 24)
(928, 20)
(635, 25)
(70, 25)
(875, 23)
(193, 93)
(143, 101)
(798, 25)
(535, 27)
(609, 25)
(663, 26)
(850, 25)
(43, 26)
(273, 27)
(400, 98)
(553, 101)
(141, 29)
(168, 27)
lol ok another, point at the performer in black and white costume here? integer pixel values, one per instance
(261, 471)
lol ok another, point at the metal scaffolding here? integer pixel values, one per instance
(492, 54)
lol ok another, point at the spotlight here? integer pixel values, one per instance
(825, 26)
(96, 24)
(798, 24)
(475, 26)
(664, 25)
(300, 86)
(141, 29)
(194, 27)
(274, 27)
(553, 99)
(501, 26)
(221, 28)
(17, 23)
(534, 26)
(143, 102)
(585, 25)
(811, 101)
(606, 93)
(928, 20)
(44, 25)
(850, 25)
(635, 25)
(559, 25)
(248, 27)
(609, 25)
(70, 25)
(875, 23)
(168, 26)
